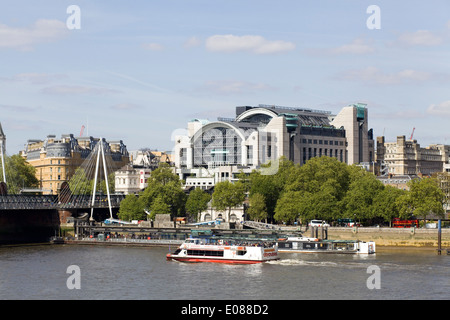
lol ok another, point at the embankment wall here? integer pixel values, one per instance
(411, 237)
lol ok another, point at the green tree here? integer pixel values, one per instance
(290, 207)
(131, 209)
(82, 184)
(159, 206)
(386, 204)
(319, 187)
(360, 195)
(228, 195)
(197, 202)
(19, 174)
(163, 175)
(257, 209)
(269, 187)
(166, 185)
(425, 197)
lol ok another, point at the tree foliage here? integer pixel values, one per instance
(228, 195)
(163, 195)
(425, 197)
(257, 209)
(197, 202)
(166, 187)
(131, 209)
(19, 174)
(323, 188)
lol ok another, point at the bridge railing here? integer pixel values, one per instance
(29, 202)
(261, 225)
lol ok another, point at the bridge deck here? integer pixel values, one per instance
(36, 202)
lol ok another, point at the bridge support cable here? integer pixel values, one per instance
(106, 182)
(89, 186)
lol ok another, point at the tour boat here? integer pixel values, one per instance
(315, 245)
(225, 251)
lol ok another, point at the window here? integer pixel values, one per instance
(210, 253)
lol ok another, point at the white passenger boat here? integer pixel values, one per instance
(225, 251)
(315, 245)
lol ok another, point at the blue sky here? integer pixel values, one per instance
(140, 70)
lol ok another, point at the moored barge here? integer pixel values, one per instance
(315, 245)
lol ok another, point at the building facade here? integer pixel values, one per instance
(56, 160)
(2, 154)
(215, 151)
(132, 178)
(407, 157)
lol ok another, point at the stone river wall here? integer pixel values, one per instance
(393, 236)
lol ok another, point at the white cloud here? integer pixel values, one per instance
(34, 78)
(420, 38)
(441, 109)
(42, 31)
(249, 43)
(358, 46)
(68, 90)
(375, 76)
(153, 46)
(125, 106)
(192, 42)
(235, 87)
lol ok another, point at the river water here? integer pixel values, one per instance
(107, 272)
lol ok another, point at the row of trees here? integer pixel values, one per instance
(164, 195)
(323, 188)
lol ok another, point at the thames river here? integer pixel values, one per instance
(92, 272)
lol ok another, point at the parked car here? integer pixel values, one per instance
(318, 223)
(354, 224)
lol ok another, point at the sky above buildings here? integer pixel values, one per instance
(140, 70)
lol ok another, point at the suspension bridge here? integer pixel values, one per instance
(28, 214)
(88, 188)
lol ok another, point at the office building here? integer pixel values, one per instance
(214, 151)
(56, 160)
(407, 157)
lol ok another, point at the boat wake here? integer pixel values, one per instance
(296, 262)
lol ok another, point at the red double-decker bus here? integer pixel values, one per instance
(398, 223)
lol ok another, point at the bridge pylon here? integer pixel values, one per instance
(100, 151)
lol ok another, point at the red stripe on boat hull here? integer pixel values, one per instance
(229, 261)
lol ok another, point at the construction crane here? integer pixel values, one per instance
(412, 134)
(82, 130)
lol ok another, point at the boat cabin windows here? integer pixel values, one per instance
(210, 253)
